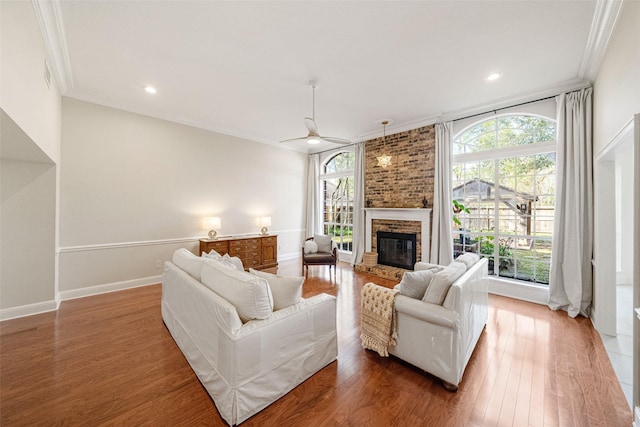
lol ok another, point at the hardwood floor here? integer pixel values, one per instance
(109, 360)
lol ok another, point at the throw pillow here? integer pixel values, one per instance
(234, 261)
(442, 281)
(310, 247)
(189, 262)
(468, 259)
(415, 283)
(286, 291)
(212, 254)
(250, 295)
(324, 242)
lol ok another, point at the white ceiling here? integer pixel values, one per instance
(242, 68)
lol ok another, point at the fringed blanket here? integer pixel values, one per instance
(378, 318)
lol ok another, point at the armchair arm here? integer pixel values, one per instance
(427, 312)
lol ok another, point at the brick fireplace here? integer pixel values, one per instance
(395, 196)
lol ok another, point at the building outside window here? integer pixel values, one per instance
(503, 187)
(337, 189)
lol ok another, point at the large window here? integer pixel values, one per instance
(337, 190)
(504, 194)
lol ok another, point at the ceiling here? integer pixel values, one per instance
(242, 68)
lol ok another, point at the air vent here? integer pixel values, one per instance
(47, 74)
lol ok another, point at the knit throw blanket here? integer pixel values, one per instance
(378, 318)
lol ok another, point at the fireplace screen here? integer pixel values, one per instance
(396, 249)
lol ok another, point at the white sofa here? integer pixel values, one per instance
(440, 338)
(244, 366)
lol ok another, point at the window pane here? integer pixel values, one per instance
(510, 221)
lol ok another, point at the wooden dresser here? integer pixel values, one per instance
(257, 252)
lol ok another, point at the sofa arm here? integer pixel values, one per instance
(427, 312)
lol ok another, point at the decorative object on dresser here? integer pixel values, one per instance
(264, 222)
(257, 252)
(212, 224)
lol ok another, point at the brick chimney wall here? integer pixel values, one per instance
(409, 178)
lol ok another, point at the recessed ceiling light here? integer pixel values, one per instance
(493, 77)
(150, 89)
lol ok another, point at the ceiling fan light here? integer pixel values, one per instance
(313, 140)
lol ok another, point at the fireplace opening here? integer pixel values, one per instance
(396, 249)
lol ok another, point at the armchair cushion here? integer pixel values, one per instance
(323, 241)
(442, 280)
(286, 291)
(189, 262)
(414, 284)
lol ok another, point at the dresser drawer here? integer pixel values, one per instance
(244, 245)
(222, 247)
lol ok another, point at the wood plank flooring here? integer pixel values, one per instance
(109, 360)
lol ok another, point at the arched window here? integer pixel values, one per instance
(336, 182)
(504, 194)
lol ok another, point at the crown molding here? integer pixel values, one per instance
(49, 17)
(603, 24)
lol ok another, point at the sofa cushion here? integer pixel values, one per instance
(286, 291)
(415, 283)
(442, 281)
(468, 259)
(250, 295)
(189, 262)
(310, 247)
(324, 242)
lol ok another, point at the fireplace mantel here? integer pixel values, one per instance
(401, 214)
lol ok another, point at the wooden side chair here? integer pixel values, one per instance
(319, 250)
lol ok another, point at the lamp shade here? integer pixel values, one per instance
(264, 221)
(211, 223)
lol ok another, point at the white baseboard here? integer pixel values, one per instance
(27, 310)
(109, 287)
(519, 290)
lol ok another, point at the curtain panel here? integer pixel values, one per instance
(313, 193)
(358, 205)
(571, 275)
(441, 235)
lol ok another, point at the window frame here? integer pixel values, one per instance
(322, 177)
(495, 155)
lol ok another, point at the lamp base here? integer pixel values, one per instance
(213, 234)
(264, 231)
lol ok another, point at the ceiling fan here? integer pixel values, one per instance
(314, 137)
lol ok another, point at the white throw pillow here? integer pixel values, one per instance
(324, 242)
(234, 261)
(250, 295)
(212, 254)
(441, 282)
(415, 283)
(189, 262)
(286, 291)
(310, 247)
(468, 259)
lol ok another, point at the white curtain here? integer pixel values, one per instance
(441, 236)
(358, 205)
(313, 192)
(570, 279)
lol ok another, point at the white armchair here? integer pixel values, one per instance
(441, 338)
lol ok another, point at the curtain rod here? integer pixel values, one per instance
(504, 108)
(495, 110)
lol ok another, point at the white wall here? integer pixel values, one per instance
(624, 218)
(29, 139)
(134, 188)
(25, 95)
(617, 86)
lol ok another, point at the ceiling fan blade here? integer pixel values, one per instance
(302, 138)
(336, 140)
(311, 125)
